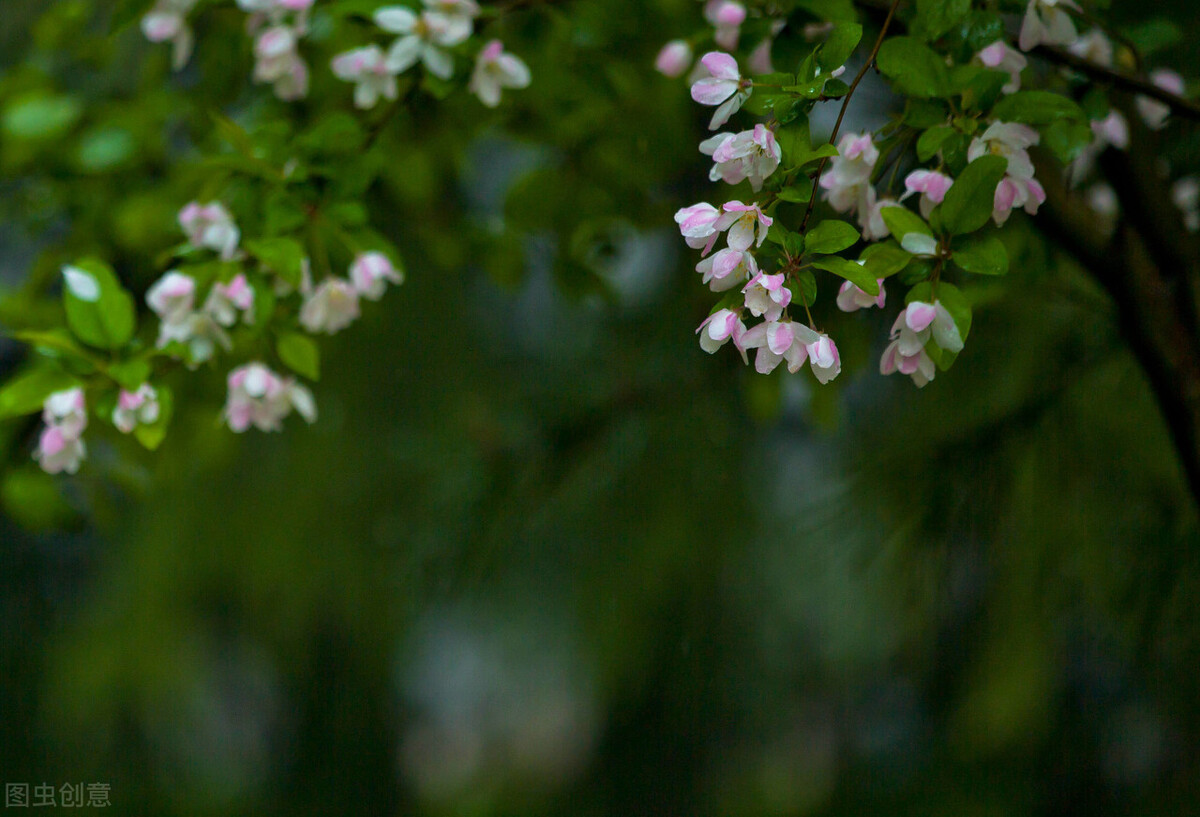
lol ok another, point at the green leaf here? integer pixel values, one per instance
(936, 17)
(969, 201)
(283, 256)
(852, 271)
(40, 115)
(931, 141)
(26, 393)
(799, 192)
(830, 236)
(983, 257)
(1067, 138)
(99, 310)
(913, 67)
(300, 354)
(839, 46)
(1154, 35)
(835, 10)
(804, 288)
(152, 435)
(885, 259)
(1037, 108)
(901, 221)
(130, 374)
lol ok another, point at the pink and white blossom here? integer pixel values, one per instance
(1185, 194)
(823, 358)
(370, 273)
(261, 398)
(1153, 112)
(727, 17)
(752, 154)
(1009, 140)
(779, 341)
(741, 220)
(278, 62)
(724, 88)
(330, 308)
(134, 408)
(495, 70)
(1013, 192)
(423, 38)
(870, 214)
(60, 444)
(931, 184)
(697, 224)
(167, 22)
(1002, 57)
(1047, 22)
(767, 296)
(368, 68)
(674, 58)
(719, 327)
(210, 226)
(1094, 46)
(225, 301)
(849, 173)
(727, 269)
(851, 299)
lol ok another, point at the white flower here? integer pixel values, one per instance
(167, 21)
(849, 174)
(261, 398)
(60, 445)
(368, 67)
(495, 70)
(330, 308)
(752, 154)
(1153, 112)
(370, 273)
(1008, 140)
(210, 226)
(225, 301)
(851, 299)
(423, 38)
(1046, 22)
(1001, 57)
(719, 327)
(724, 88)
(136, 408)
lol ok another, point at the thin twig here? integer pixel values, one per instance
(1135, 85)
(862, 72)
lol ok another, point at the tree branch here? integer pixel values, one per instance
(1107, 76)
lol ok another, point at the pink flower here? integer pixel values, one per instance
(674, 58)
(870, 214)
(725, 87)
(796, 343)
(210, 226)
(727, 16)
(495, 70)
(1093, 46)
(849, 174)
(740, 220)
(368, 68)
(1008, 140)
(1153, 112)
(932, 186)
(278, 62)
(261, 398)
(1012, 192)
(1001, 57)
(697, 224)
(60, 445)
(720, 327)
(912, 330)
(136, 407)
(752, 155)
(330, 308)
(851, 299)
(727, 269)
(1112, 130)
(370, 273)
(1046, 22)
(225, 301)
(767, 296)
(167, 21)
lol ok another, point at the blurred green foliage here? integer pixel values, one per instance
(543, 556)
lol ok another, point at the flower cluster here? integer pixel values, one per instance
(261, 398)
(60, 446)
(428, 38)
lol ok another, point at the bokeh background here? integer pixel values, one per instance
(541, 555)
